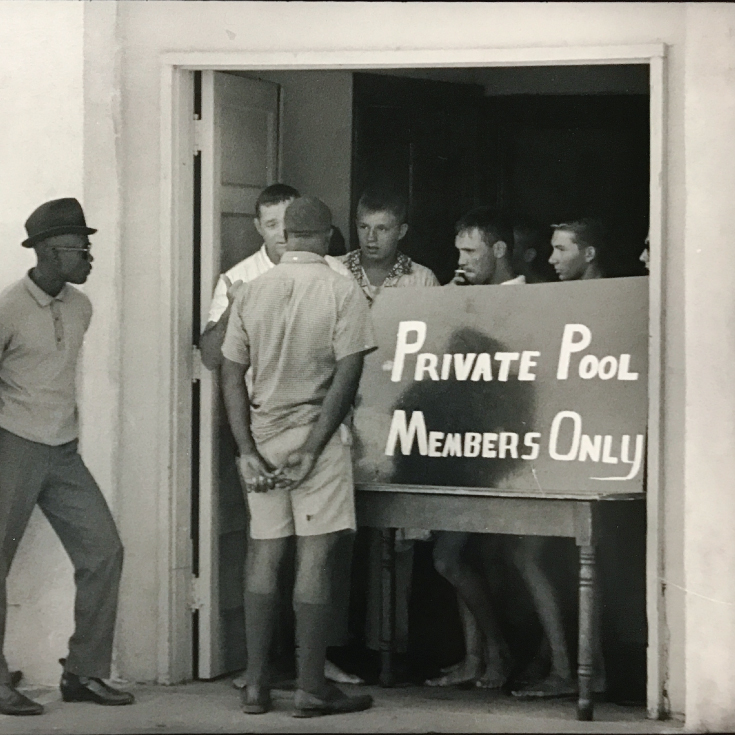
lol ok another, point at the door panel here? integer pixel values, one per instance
(239, 153)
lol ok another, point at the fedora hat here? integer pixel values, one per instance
(57, 217)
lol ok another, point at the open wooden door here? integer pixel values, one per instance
(238, 144)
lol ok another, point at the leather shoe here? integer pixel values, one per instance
(333, 702)
(255, 700)
(90, 689)
(12, 702)
(15, 678)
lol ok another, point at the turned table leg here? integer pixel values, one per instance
(585, 658)
(388, 605)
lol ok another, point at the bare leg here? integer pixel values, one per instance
(472, 666)
(526, 553)
(472, 590)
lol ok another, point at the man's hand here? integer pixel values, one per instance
(295, 469)
(231, 289)
(256, 475)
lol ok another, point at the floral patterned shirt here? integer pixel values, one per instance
(404, 274)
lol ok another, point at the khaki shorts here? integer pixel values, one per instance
(323, 503)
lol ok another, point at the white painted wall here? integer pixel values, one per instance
(710, 367)
(147, 29)
(41, 149)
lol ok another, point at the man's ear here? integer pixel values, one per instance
(529, 255)
(402, 232)
(258, 227)
(590, 253)
(500, 249)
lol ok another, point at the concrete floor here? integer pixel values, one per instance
(213, 707)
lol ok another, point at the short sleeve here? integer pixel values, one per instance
(219, 301)
(236, 346)
(426, 276)
(6, 332)
(354, 329)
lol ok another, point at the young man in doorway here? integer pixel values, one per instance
(304, 330)
(485, 245)
(270, 208)
(579, 248)
(531, 252)
(43, 320)
(376, 265)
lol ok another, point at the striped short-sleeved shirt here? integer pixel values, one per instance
(291, 326)
(40, 339)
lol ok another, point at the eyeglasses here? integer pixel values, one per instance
(86, 254)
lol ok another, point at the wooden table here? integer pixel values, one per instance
(481, 510)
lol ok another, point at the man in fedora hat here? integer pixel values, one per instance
(304, 329)
(43, 320)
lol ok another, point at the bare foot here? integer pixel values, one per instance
(492, 679)
(332, 672)
(553, 685)
(452, 668)
(466, 671)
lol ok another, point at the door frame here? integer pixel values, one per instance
(177, 594)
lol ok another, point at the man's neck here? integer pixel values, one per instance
(49, 283)
(377, 270)
(503, 273)
(593, 271)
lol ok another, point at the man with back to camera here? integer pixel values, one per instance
(43, 320)
(376, 265)
(304, 330)
(270, 208)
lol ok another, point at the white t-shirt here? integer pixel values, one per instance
(248, 270)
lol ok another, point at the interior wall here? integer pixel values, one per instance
(317, 136)
(41, 149)
(147, 29)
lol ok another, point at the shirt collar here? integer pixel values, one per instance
(40, 296)
(402, 267)
(264, 253)
(302, 256)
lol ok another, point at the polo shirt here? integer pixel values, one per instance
(40, 339)
(247, 270)
(291, 326)
(405, 273)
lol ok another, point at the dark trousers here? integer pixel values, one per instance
(57, 479)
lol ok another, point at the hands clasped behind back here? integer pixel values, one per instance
(259, 476)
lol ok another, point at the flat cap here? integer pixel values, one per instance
(307, 215)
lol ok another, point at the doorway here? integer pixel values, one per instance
(655, 234)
